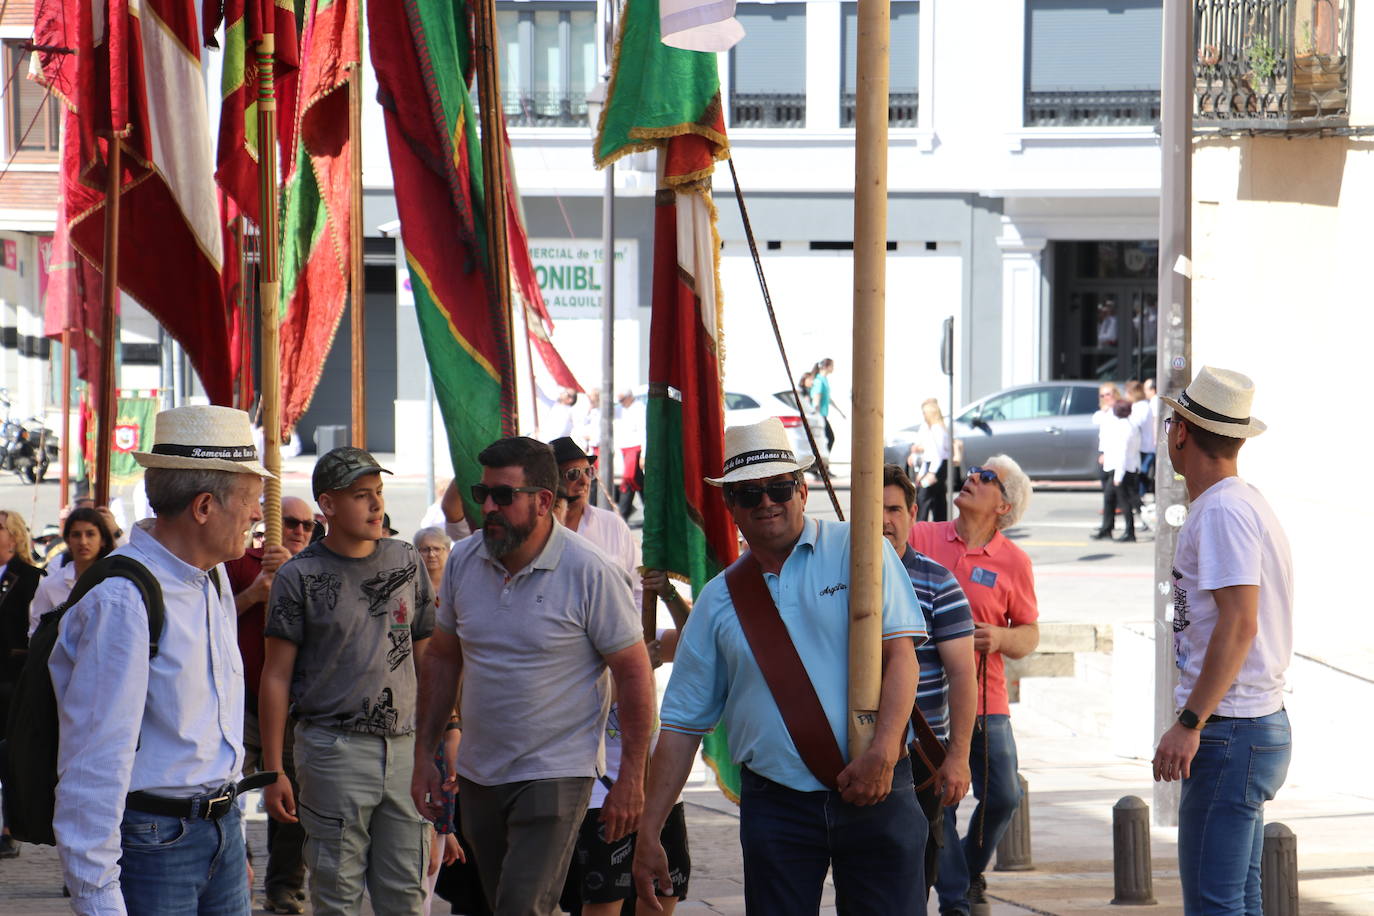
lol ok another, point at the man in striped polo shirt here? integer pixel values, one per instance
(948, 689)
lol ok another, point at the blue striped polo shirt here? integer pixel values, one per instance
(947, 617)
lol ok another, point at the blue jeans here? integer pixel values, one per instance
(790, 838)
(998, 795)
(176, 867)
(1239, 766)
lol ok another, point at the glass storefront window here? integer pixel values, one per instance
(1106, 315)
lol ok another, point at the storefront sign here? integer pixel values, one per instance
(571, 275)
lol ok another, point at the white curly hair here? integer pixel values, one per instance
(1017, 486)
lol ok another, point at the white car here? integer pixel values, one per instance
(751, 405)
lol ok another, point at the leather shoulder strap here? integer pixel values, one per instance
(783, 670)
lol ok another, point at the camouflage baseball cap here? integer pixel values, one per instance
(340, 467)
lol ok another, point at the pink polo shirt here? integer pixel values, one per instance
(1000, 586)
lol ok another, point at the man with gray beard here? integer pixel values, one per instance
(531, 615)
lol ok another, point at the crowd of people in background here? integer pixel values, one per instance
(469, 715)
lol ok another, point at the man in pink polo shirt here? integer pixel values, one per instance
(996, 576)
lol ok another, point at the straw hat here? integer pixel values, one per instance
(203, 438)
(757, 451)
(1218, 400)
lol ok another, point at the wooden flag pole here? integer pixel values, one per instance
(357, 282)
(65, 443)
(109, 331)
(268, 286)
(494, 196)
(866, 488)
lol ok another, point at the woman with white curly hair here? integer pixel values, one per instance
(996, 577)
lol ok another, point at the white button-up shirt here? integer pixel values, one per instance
(172, 726)
(607, 530)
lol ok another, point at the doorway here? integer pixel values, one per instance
(1106, 310)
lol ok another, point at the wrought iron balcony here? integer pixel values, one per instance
(544, 109)
(1092, 108)
(1272, 64)
(901, 109)
(767, 109)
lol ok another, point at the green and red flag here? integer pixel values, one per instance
(245, 24)
(422, 55)
(669, 99)
(316, 209)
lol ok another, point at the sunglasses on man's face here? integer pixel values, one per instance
(751, 497)
(572, 475)
(306, 524)
(987, 475)
(502, 495)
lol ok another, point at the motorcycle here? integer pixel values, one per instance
(30, 448)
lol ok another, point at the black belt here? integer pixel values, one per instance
(208, 807)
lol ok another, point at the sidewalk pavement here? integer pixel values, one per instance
(1074, 782)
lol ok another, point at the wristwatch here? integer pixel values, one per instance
(1188, 719)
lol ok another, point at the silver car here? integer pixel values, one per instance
(1047, 427)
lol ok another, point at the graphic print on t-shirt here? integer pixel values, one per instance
(382, 586)
(322, 587)
(1180, 619)
(400, 647)
(378, 718)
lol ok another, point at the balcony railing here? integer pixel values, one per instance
(1272, 64)
(767, 109)
(544, 109)
(901, 109)
(1089, 108)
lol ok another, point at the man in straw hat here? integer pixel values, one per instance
(858, 817)
(1233, 638)
(151, 748)
(348, 617)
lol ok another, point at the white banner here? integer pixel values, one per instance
(571, 275)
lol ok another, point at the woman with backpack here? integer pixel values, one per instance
(18, 582)
(88, 538)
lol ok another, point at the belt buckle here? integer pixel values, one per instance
(210, 805)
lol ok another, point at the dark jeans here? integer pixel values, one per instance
(1147, 473)
(932, 503)
(791, 838)
(1121, 495)
(998, 795)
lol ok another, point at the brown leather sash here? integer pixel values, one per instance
(791, 686)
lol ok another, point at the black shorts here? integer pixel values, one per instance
(600, 871)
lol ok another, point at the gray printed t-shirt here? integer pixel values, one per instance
(354, 622)
(535, 686)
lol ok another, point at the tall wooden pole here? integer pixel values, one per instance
(268, 286)
(866, 488)
(494, 194)
(108, 329)
(1174, 369)
(65, 442)
(357, 285)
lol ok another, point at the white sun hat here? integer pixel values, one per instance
(1218, 400)
(203, 438)
(757, 451)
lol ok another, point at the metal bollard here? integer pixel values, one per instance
(1131, 862)
(1279, 871)
(1014, 849)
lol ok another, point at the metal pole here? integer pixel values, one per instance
(1175, 350)
(66, 440)
(866, 478)
(608, 336)
(109, 324)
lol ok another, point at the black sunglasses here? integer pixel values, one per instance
(293, 523)
(987, 475)
(502, 495)
(571, 475)
(751, 497)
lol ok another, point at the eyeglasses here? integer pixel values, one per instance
(502, 495)
(751, 497)
(433, 548)
(1170, 421)
(308, 524)
(572, 475)
(987, 475)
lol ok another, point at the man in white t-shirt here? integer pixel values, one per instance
(1233, 638)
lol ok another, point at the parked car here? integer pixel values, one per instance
(1047, 427)
(751, 405)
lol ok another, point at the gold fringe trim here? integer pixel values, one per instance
(720, 783)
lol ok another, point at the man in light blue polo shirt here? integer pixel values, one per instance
(792, 829)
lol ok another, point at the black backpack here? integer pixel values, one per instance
(28, 758)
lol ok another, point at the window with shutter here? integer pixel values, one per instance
(32, 116)
(1092, 62)
(548, 62)
(768, 68)
(903, 62)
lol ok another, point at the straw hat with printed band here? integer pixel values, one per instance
(1218, 400)
(203, 438)
(757, 451)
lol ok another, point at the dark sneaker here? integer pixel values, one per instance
(977, 897)
(283, 902)
(1101, 535)
(9, 847)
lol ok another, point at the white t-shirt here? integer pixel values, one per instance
(1232, 537)
(1143, 416)
(935, 447)
(52, 591)
(1119, 439)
